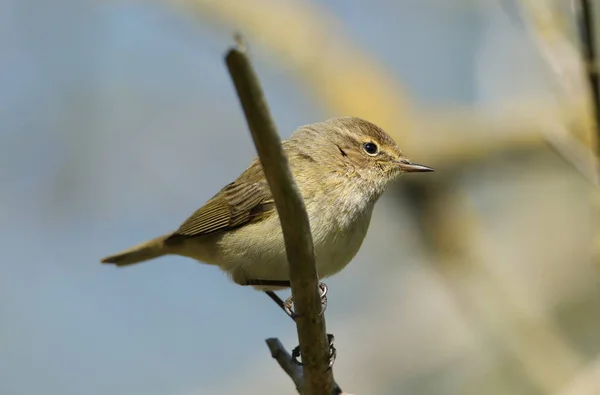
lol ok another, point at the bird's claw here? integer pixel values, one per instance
(288, 305)
(331, 357)
(323, 292)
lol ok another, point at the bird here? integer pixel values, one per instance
(341, 166)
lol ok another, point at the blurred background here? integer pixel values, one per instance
(119, 119)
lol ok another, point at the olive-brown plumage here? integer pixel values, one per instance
(341, 166)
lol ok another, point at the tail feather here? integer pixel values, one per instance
(142, 252)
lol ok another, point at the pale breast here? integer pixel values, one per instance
(257, 251)
(335, 248)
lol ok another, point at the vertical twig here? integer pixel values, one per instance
(310, 322)
(587, 33)
(578, 82)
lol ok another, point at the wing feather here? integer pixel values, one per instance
(235, 205)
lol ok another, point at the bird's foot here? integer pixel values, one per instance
(284, 305)
(288, 307)
(323, 292)
(289, 302)
(331, 357)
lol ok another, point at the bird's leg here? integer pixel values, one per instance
(287, 306)
(274, 297)
(281, 304)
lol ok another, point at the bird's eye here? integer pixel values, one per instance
(371, 148)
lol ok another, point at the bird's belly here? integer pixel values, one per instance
(245, 257)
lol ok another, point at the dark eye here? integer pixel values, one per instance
(371, 148)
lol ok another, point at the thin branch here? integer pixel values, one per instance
(587, 32)
(287, 363)
(310, 322)
(280, 354)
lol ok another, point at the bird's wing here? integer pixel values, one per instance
(235, 205)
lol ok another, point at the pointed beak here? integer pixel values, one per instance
(408, 167)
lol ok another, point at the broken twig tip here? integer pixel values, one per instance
(240, 42)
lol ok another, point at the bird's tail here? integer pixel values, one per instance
(142, 252)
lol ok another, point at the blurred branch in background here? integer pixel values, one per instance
(574, 152)
(342, 76)
(520, 326)
(348, 81)
(585, 18)
(497, 301)
(548, 30)
(586, 382)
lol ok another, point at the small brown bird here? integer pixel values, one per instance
(341, 166)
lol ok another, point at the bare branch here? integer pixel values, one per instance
(287, 364)
(310, 322)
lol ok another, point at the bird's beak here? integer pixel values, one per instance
(413, 167)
